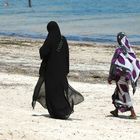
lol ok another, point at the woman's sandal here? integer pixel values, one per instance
(132, 117)
(114, 113)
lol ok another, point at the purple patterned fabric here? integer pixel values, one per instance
(133, 55)
(125, 58)
(121, 60)
(117, 52)
(121, 97)
(134, 74)
(123, 88)
(138, 64)
(126, 67)
(127, 43)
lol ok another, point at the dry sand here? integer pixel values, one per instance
(89, 65)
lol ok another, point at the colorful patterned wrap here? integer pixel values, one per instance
(125, 60)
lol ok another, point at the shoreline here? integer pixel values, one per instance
(101, 39)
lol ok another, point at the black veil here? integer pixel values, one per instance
(73, 96)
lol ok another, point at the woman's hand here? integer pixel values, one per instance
(33, 104)
(109, 80)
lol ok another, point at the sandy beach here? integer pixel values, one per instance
(89, 66)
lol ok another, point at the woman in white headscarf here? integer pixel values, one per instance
(124, 69)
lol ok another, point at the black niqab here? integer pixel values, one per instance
(54, 69)
(53, 39)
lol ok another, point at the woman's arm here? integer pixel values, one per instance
(44, 50)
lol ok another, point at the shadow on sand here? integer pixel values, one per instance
(48, 116)
(123, 117)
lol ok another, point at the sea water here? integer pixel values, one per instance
(80, 20)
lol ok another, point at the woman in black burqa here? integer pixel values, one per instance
(58, 97)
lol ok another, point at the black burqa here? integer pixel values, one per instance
(52, 89)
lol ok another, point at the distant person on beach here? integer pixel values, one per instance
(6, 3)
(52, 90)
(124, 69)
